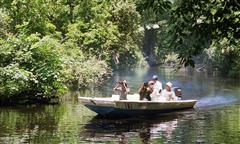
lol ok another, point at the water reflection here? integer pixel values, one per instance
(23, 124)
(215, 120)
(125, 130)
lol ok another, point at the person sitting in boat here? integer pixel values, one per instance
(145, 92)
(157, 84)
(122, 86)
(178, 92)
(155, 95)
(168, 94)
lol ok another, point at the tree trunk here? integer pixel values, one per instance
(149, 43)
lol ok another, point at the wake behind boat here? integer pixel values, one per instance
(132, 106)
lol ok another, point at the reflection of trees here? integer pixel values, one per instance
(66, 124)
(209, 125)
(132, 129)
(202, 126)
(40, 124)
(28, 123)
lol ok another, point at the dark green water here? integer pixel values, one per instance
(216, 118)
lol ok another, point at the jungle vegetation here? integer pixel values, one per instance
(47, 46)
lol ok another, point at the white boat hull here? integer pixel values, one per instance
(112, 107)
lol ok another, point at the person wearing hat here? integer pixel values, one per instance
(168, 94)
(157, 88)
(157, 84)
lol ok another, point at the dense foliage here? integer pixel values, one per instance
(48, 45)
(191, 28)
(29, 65)
(212, 25)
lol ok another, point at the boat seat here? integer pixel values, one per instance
(132, 97)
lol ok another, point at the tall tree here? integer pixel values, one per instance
(153, 13)
(199, 25)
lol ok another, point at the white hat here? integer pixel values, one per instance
(169, 84)
(155, 77)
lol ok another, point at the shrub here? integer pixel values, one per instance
(82, 70)
(30, 67)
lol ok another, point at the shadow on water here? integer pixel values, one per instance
(123, 130)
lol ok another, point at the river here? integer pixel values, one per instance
(216, 118)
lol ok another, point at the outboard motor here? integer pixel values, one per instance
(178, 92)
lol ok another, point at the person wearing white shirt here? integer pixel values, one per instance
(168, 94)
(157, 84)
(157, 88)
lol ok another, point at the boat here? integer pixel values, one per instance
(132, 106)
